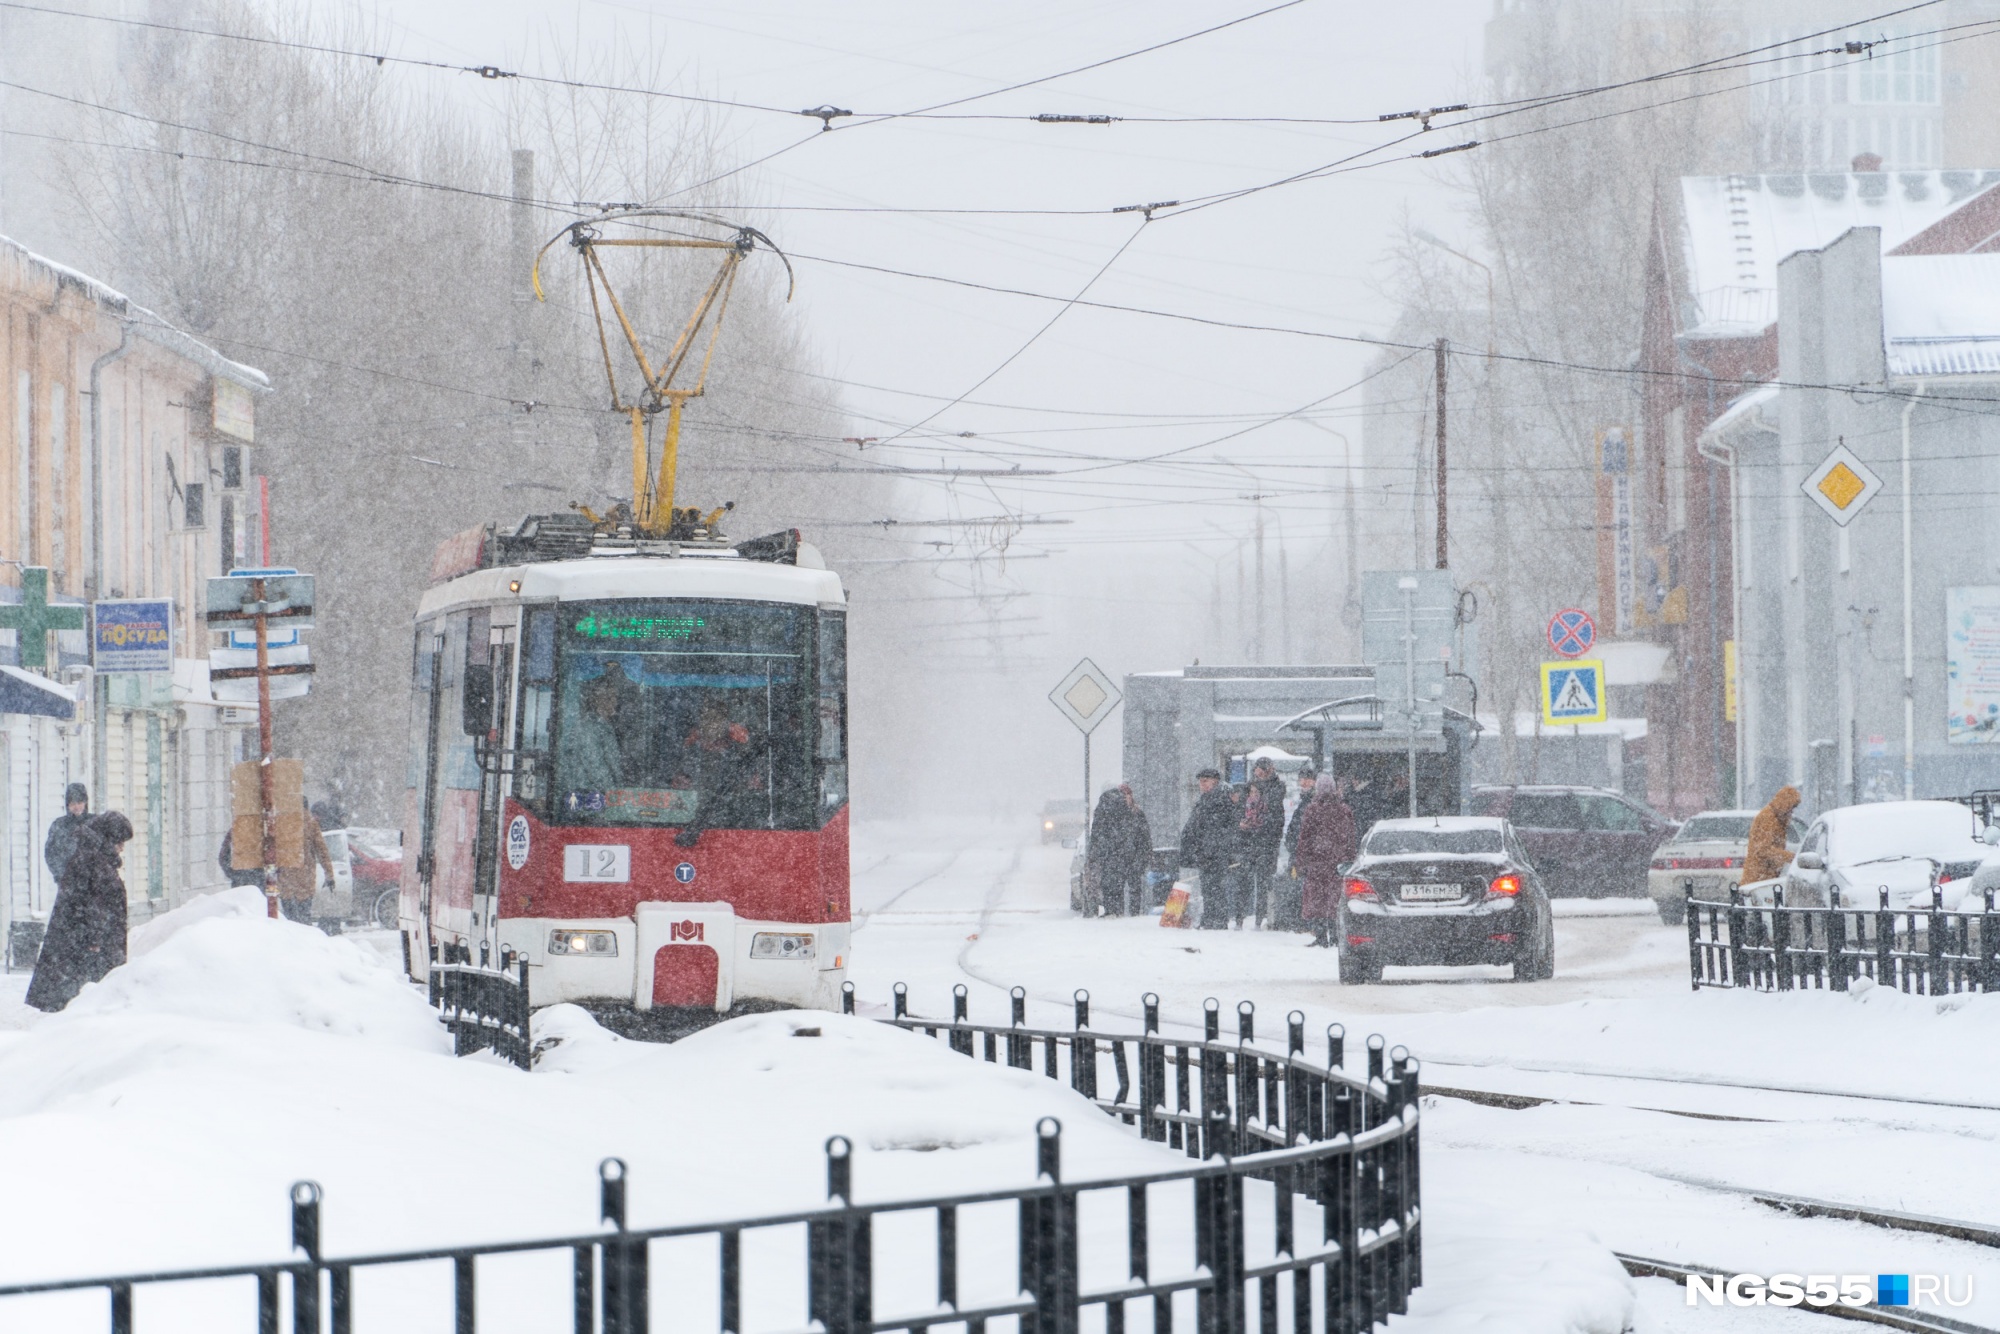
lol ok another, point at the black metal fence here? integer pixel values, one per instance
(1925, 951)
(483, 1006)
(1337, 1151)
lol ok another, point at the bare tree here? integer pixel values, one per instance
(355, 237)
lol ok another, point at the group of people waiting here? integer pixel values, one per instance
(1234, 835)
(1233, 838)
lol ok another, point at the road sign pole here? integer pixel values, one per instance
(1083, 841)
(270, 841)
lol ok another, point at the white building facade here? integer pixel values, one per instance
(126, 447)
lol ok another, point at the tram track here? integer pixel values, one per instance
(914, 885)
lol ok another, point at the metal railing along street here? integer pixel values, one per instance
(1338, 1152)
(483, 1006)
(1926, 951)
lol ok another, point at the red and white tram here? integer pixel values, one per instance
(628, 762)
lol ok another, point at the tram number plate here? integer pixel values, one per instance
(1430, 893)
(598, 863)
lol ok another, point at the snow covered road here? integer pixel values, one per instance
(1663, 1104)
(160, 1119)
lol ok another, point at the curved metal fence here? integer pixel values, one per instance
(1770, 947)
(1332, 1157)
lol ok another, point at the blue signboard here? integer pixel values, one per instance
(132, 635)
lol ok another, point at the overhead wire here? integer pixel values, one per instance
(361, 171)
(1015, 355)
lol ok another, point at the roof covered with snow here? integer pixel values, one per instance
(1738, 229)
(1744, 413)
(144, 323)
(1941, 314)
(709, 575)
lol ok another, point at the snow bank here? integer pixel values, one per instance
(222, 958)
(171, 1106)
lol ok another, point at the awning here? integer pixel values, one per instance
(25, 692)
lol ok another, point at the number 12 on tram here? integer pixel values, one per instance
(632, 769)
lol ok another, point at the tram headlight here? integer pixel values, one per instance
(603, 944)
(780, 945)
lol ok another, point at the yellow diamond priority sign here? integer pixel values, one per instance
(1842, 485)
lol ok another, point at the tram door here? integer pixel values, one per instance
(488, 688)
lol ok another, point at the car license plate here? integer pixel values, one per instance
(1431, 893)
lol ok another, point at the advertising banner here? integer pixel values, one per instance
(133, 635)
(1972, 665)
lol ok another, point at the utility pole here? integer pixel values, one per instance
(1408, 586)
(1284, 600)
(1258, 646)
(521, 367)
(1443, 561)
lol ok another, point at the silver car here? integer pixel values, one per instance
(1709, 850)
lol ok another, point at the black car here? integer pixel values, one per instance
(1444, 890)
(1588, 841)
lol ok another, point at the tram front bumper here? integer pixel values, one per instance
(682, 955)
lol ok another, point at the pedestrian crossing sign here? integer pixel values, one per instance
(1573, 692)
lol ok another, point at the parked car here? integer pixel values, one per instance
(1062, 820)
(1585, 841)
(377, 855)
(1445, 890)
(1708, 849)
(1902, 846)
(367, 877)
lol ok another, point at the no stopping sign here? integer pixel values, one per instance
(1572, 632)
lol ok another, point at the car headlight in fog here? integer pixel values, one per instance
(1048, 824)
(779, 945)
(600, 943)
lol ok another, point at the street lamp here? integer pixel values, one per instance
(1429, 239)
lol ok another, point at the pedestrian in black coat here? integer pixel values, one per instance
(63, 830)
(86, 937)
(1120, 846)
(1208, 843)
(1263, 831)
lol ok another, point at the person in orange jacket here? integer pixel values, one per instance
(1768, 856)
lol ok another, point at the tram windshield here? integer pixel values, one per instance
(696, 714)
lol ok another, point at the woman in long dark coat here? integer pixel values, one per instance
(1327, 843)
(86, 936)
(1121, 845)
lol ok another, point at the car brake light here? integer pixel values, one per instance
(1505, 884)
(1361, 940)
(1357, 888)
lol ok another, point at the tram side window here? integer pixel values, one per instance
(832, 711)
(680, 713)
(538, 692)
(458, 765)
(423, 668)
